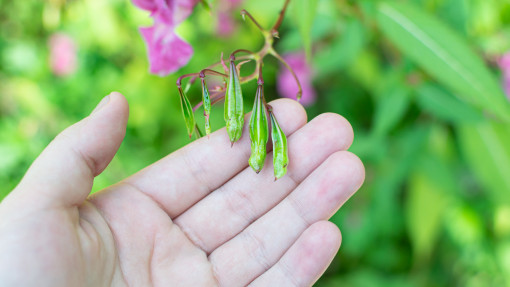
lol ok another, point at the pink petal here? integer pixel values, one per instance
(225, 24)
(286, 84)
(167, 52)
(148, 5)
(506, 84)
(182, 9)
(504, 62)
(173, 12)
(63, 58)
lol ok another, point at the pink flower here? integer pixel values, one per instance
(286, 83)
(63, 60)
(504, 64)
(506, 84)
(225, 24)
(167, 52)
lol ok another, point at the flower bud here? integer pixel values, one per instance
(234, 111)
(280, 153)
(259, 133)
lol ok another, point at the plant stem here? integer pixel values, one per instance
(277, 56)
(212, 73)
(179, 80)
(280, 17)
(233, 54)
(246, 13)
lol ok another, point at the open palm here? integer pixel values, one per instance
(198, 217)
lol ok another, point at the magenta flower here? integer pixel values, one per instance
(504, 64)
(506, 84)
(167, 52)
(225, 24)
(286, 84)
(63, 59)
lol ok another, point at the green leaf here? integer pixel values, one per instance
(391, 107)
(443, 54)
(343, 51)
(304, 14)
(445, 106)
(486, 148)
(207, 5)
(427, 202)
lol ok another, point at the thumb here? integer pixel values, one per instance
(64, 172)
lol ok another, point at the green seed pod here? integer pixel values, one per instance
(280, 153)
(259, 133)
(234, 111)
(206, 100)
(187, 112)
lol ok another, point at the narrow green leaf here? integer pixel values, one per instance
(198, 132)
(234, 110)
(206, 102)
(391, 107)
(445, 106)
(444, 54)
(343, 50)
(304, 14)
(426, 205)
(486, 148)
(187, 112)
(280, 152)
(207, 4)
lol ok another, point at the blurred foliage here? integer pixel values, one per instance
(417, 79)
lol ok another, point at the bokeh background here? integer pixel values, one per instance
(421, 81)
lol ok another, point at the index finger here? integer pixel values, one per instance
(182, 178)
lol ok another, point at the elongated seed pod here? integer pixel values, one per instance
(187, 113)
(280, 153)
(206, 100)
(259, 131)
(234, 111)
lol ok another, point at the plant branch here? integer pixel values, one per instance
(179, 80)
(280, 17)
(212, 73)
(277, 56)
(233, 54)
(246, 13)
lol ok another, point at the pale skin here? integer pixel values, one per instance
(198, 217)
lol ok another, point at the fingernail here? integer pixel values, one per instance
(101, 104)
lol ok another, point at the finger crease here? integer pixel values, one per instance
(298, 208)
(260, 250)
(287, 272)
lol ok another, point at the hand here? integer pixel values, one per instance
(198, 217)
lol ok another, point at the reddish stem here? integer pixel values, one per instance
(280, 17)
(246, 13)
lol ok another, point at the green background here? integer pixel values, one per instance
(417, 79)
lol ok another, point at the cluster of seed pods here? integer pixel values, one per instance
(234, 119)
(234, 106)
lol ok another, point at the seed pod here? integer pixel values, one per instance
(259, 133)
(206, 100)
(234, 111)
(280, 153)
(187, 112)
